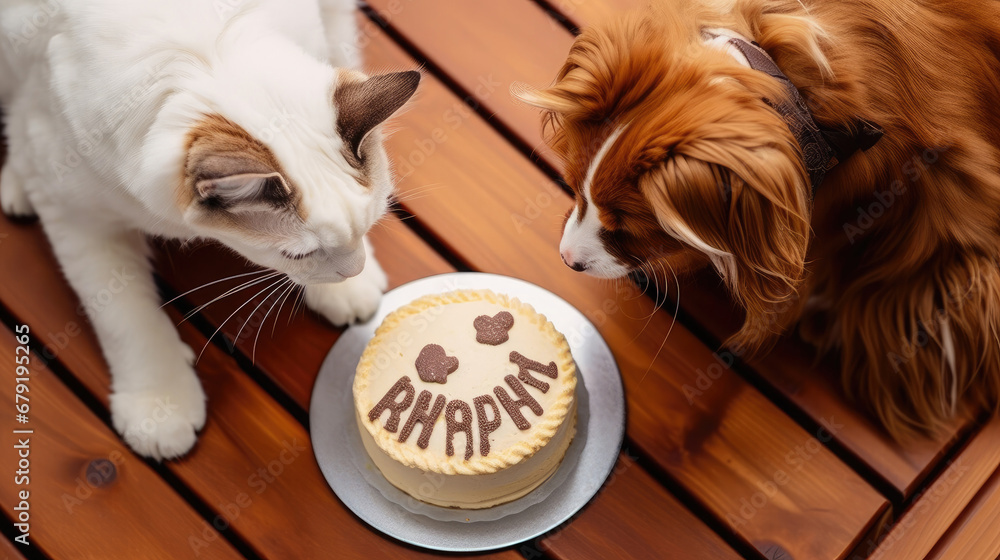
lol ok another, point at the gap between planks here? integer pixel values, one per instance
(799, 415)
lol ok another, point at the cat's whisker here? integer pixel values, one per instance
(295, 306)
(381, 221)
(419, 192)
(254, 312)
(230, 292)
(223, 324)
(211, 283)
(287, 285)
(411, 198)
(421, 188)
(284, 297)
(241, 287)
(291, 311)
(389, 130)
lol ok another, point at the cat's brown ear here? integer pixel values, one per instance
(363, 105)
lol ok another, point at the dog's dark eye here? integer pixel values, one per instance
(622, 244)
(611, 237)
(613, 219)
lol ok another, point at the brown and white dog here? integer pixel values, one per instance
(682, 150)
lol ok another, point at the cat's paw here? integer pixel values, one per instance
(13, 199)
(161, 424)
(354, 299)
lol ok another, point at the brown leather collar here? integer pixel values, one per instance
(822, 147)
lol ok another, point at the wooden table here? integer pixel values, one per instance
(722, 459)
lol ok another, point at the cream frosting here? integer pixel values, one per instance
(487, 374)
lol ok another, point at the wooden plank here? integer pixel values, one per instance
(406, 258)
(585, 12)
(633, 499)
(474, 215)
(261, 460)
(307, 339)
(292, 515)
(975, 533)
(241, 443)
(89, 497)
(813, 385)
(941, 505)
(522, 45)
(9, 551)
(299, 346)
(686, 531)
(500, 214)
(435, 27)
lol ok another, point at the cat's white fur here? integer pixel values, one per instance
(98, 97)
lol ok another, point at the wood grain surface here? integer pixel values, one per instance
(293, 358)
(510, 58)
(252, 464)
(585, 12)
(502, 215)
(488, 62)
(9, 551)
(773, 471)
(630, 497)
(937, 509)
(89, 496)
(654, 407)
(813, 385)
(483, 148)
(974, 534)
(245, 424)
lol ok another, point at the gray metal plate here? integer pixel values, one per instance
(589, 459)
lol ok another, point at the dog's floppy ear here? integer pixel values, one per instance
(554, 99)
(742, 201)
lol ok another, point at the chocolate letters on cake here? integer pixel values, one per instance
(512, 406)
(432, 365)
(426, 419)
(486, 426)
(389, 403)
(453, 426)
(527, 365)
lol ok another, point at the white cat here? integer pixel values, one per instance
(242, 121)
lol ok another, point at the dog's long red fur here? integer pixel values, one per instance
(895, 262)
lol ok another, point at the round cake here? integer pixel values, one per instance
(466, 399)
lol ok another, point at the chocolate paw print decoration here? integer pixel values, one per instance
(493, 330)
(434, 365)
